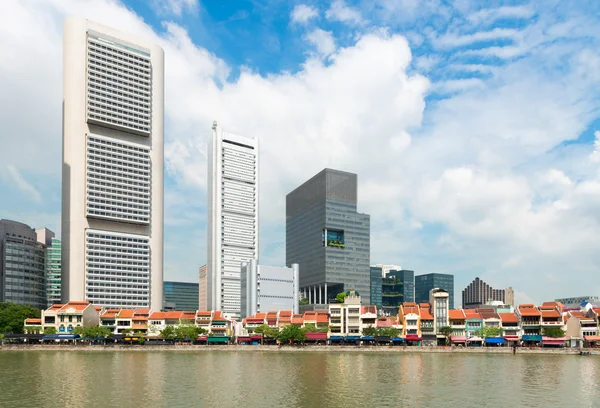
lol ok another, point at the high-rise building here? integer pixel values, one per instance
(53, 272)
(22, 265)
(112, 215)
(232, 216)
(203, 288)
(424, 284)
(478, 293)
(180, 295)
(386, 268)
(375, 286)
(407, 277)
(268, 288)
(328, 237)
(576, 302)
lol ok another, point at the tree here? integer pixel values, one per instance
(168, 333)
(446, 331)
(490, 331)
(303, 301)
(187, 331)
(32, 329)
(267, 331)
(292, 333)
(12, 317)
(387, 331)
(369, 331)
(50, 330)
(554, 332)
(340, 297)
(1, 338)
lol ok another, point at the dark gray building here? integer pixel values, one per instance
(22, 265)
(407, 278)
(328, 237)
(180, 295)
(424, 283)
(376, 286)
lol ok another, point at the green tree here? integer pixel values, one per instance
(32, 329)
(168, 333)
(554, 332)
(446, 331)
(292, 334)
(187, 331)
(267, 331)
(387, 331)
(303, 301)
(12, 317)
(1, 338)
(490, 331)
(340, 297)
(79, 331)
(369, 331)
(50, 330)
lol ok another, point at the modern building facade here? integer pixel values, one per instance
(439, 299)
(54, 272)
(479, 293)
(425, 283)
(232, 216)
(112, 215)
(407, 277)
(180, 295)
(203, 288)
(576, 302)
(328, 237)
(375, 285)
(22, 265)
(386, 268)
(269, 288)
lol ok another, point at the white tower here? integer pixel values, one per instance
(232, 216)
(112, 215)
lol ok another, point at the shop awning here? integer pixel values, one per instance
(412, 337)
(474, 339)
(336, 338)
(592, 338)
(397, 339)
(553, 340)
(458, 339)
(352, 338)
(495, 340)
(531, 337)
(367, 338)
(509, 338)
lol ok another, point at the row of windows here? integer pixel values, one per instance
(99, 116)
(118, 53)
(103, 59)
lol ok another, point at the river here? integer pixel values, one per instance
(295, 379)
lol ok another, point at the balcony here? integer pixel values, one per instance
(552, 324)
(530, 323)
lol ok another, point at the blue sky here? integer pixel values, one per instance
(472, 125)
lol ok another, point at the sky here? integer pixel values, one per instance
(474, 127)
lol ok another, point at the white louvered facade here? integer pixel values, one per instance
(118, 180)
(117, 269)
(233, 216)
(113, 152)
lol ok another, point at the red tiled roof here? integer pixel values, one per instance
(550, 313)
(285, 320)
(109, 314)
(285, 313)
(426, 314)
(217, 315)
(125, 314)
(425, 306)
(472, 314)
(576, 314)
(322, 317)
(509, 318)
(56, 306)
(558, 305)
(98, 308)
(78, 306)
(144, 311)
(203, 313)
(457, 314)
(368, 309)
(261, 316)
(297, 319)
(158, 316)
(384, 322)
(529, 310)
(173, 314)
(33, 320)
(188, 314)
(487, 313)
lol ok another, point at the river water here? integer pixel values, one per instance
(295, 379)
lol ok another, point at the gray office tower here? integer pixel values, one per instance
(328, 237)
(424, 283)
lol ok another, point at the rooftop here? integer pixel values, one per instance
(509, 318)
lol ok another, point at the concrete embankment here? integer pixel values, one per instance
(285, 349)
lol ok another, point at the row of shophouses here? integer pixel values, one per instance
(417, 324)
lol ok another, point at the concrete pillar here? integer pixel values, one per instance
(326, 293)
(296, 275)
(254, 285)
(315, 294)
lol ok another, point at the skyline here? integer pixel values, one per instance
(495, 169)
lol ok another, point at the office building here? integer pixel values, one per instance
(376, 286)
(53, 272)
(407, 277)
(328, 237)
(386, 268)
(22, 265)
(268, 288)
(180, 295)
(479, 293)
(203, 288)
(577, 302)
(424, 284)
(232, 216)
(112, 215)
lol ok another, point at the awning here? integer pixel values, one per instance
(474, 339)
(531, 337)
(495, 340)
(412, 337)
(352, 338)
(509, 338)
(367, 338)
(592, 338)
(397, 339)
(553, 340)
(458, 339)
(336, 338)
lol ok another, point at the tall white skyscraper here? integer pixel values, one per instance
(232, 216)
(112, 215)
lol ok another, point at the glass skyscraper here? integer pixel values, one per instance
(376, 288)
(328, 238)
(53, 272)
(424, 283)
(180, 295)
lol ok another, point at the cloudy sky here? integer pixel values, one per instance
(475, 132)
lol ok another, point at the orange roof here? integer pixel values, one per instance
(558, 305)
(56, 306)
(297, 319)
(125, 314)
(98, 308)
(576, 314)
(426, 314)
(529, 310)
(487, 313)
(158, 316)
(385, 322)
(144, 311)
(425, 306)
(457, 314)
(322, 317)
(509, 318)
(109, 314)
(173, 314)
(368, 309)
(409, 304)
(78, 306)
(285, 320)
(217, 315)
(261, 316)
(551, 313)
(472, 314)
(285, 313)
(203, 313)
(188, 314)
(33, 320)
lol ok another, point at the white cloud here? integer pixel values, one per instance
(339, 11)
(596, 153)
(323, 41)
(174, 7)
(488, 16)
(303, 13)
(12, 176)
(459, 40)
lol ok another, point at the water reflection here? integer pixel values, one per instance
(294, 379)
